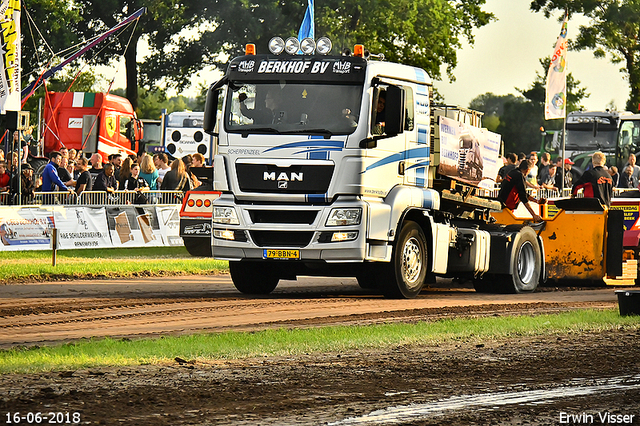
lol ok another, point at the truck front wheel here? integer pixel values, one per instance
(407, 272)
(253, 277)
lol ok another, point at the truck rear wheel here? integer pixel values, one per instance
(526, 262)
(405, 276)
(253, 277)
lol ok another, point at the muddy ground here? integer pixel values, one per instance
(526, 381)
(516, 381)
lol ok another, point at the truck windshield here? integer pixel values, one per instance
(597, 134)
(292, 107)
(185, 120)
(628, 140)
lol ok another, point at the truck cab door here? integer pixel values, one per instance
(414, 167)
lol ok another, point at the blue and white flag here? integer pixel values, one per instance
(307, 29)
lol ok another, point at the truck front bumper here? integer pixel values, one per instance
(301, 230)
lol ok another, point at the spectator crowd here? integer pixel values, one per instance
(560, 173)
(71, 171)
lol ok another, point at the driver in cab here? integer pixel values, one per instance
(269, 114)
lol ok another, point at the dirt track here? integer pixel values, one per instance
(508, 382)
(44, 313)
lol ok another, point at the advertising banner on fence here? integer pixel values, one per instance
(26, 228)
(468, 153)
(169, 220)
(134, 226)
(82, 227)
(29, 228)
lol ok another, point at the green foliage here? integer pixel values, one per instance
(613, 30)
(490, 103)
(36, 265)
(153, 102)
(520, 118)
(230, 345)
(58, 22)
(426, 34)
(188, 36)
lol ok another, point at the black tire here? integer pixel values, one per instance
(486, 284)
(253, 277)
(368, 278)
(38, 165)
(405, 276)
(197, 246)
(526, 264)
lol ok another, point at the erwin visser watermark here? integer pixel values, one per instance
(597, 418)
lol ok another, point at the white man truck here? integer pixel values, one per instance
(342, 166)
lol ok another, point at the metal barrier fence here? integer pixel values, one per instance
(96, 198)
(100, 198)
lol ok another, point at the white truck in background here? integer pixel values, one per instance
(183, 135)
(314, 180)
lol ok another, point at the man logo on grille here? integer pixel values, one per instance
(283, 176)
(282, 184)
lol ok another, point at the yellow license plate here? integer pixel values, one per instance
(281, 254)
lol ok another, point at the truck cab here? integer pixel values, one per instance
(91, 122)
(342, 166)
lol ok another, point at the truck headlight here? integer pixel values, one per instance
(344, 217)
(225, 215)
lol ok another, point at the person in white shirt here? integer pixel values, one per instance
(161, 162)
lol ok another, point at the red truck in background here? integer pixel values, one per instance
(91, 122)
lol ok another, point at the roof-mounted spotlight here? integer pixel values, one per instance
(323, 46)
(292, 45)
(276, 45)
(308, 46)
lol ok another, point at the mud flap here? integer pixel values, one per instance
(615, 236)
(543, 265)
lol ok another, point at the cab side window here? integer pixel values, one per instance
(379, 109)
(409, 110)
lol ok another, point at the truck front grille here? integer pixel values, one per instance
(283, 216)
(299, 179)
(281, 238)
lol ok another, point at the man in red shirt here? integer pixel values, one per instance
(513, 190)
(4, 177)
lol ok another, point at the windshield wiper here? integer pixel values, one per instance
(325, 132)
(246, 132)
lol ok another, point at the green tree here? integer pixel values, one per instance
(426, 34)
(493, 107)
(613, 29)
(49, 31)
(187, 36)
(523, 116)
(183, 37)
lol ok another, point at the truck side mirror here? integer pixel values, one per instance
(210, 111)
(395, 111)
(211, 107)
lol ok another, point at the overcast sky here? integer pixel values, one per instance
(506, 55)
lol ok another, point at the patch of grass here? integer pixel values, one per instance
(281, 342)
(75, 264)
